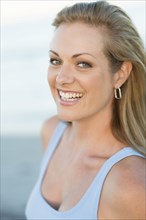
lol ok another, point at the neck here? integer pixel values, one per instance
(94, 133)
(90, 128)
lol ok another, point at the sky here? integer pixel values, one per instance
(18, 11)
(13, 12)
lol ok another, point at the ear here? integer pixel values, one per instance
(122, 74)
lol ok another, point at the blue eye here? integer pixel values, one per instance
(55, 62)
(84, 65)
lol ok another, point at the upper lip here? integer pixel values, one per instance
(69, 91)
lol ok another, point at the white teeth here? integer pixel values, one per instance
(74, 95)
(69, 100)
(68, 96)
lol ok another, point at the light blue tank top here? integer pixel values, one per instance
(87, 208)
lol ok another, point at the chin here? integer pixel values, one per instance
(65, 117)
(68, 116)
(71, 116)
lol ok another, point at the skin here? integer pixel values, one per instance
(90, 75)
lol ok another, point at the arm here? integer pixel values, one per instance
(124, 191)
(132, 201)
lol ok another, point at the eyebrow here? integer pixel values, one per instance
(75, 55)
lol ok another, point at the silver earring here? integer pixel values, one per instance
(118, 94)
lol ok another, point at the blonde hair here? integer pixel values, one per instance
(123, 43)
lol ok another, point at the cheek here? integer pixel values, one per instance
(100, 87)
(51, 78)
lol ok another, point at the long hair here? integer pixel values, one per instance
(121, 43)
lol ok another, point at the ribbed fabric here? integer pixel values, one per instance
(86, 209)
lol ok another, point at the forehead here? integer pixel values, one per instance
(77, 37)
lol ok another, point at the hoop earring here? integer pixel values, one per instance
(118, 94)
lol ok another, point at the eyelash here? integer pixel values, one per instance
(51, 60)
(85, 65)
(59, 62)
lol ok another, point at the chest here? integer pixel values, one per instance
(67, 179)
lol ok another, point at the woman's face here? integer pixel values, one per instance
(78, 73)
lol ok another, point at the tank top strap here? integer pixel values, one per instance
(105, 169)
(52, 145)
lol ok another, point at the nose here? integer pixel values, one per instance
(64, 76)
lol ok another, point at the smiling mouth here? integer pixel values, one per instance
(70, 96)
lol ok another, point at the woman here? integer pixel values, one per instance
(93, 167)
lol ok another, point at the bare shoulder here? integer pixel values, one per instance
(48, 130)
(126, 183)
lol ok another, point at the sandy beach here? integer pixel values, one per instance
(20, 161)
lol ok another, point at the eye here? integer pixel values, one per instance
(84, 65)
(54, 62)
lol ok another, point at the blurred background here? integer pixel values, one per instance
(25, 95)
